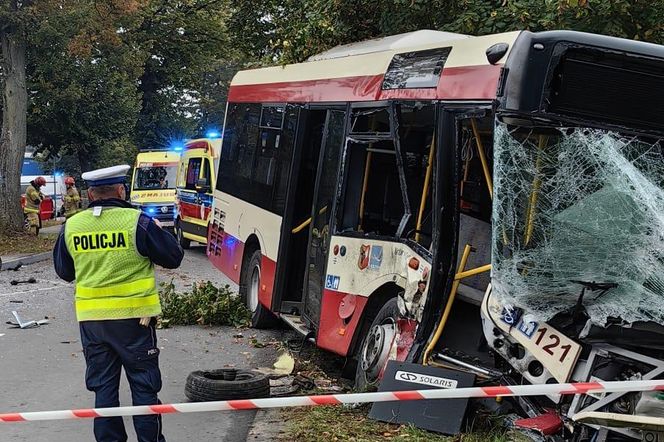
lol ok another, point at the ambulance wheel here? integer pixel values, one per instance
(374, 352)
(261, 317)
(225, 384)
(185, 243)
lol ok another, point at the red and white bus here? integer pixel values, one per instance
(355, 192)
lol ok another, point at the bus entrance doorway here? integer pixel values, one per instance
(313, 185)
(321, 213)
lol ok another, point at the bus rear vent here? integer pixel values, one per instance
(612, 88)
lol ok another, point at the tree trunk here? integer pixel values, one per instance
(14, 129)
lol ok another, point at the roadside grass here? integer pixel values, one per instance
(22, 243)
(339, 423)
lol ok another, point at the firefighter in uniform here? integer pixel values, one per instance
(33, 199)
(110, 249)
(72, 199)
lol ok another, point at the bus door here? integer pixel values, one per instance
(321, 213)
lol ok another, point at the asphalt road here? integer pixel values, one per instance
(43, 368)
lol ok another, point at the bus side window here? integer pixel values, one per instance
(256, 154)
(417, 144)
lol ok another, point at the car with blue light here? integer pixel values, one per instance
(153, 183)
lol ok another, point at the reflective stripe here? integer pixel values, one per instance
(30, 210)
(114, 303)
(126, 289)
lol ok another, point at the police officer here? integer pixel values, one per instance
(71, 199)
(110, 249)
(33, 199)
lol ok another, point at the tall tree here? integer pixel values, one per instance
(291, 30)
(187, 48)
(16, 17)
(14, 109)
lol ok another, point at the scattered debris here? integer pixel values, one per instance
(285, 364)
(73, 341)
(28, 324)
(26, 281)
(238, 335)
(206, 304)
(16, 301)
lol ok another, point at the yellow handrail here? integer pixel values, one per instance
(299, 228)
(461, 274)
(534, 195)
(425, 191)
(472, 272)
(448, 307)
(365, 183)
(485, 164)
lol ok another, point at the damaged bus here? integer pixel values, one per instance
(488, 204)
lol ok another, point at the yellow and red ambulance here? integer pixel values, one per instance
(196, 181)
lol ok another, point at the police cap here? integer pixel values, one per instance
(107, 175)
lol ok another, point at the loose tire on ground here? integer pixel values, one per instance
(261, 317)
(226, 384)
(389, 313)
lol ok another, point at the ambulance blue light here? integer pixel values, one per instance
(212, 134)
(151, 210)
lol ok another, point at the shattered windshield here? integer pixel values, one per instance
(150, 176)
(577, 206)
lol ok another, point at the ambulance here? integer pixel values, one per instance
(153, 183)
(196, 180)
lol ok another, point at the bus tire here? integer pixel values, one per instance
(185, 243)
(261, 317)
(374, 351)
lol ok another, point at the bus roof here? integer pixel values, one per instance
(357, 72)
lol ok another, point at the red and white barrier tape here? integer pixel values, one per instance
(334, 399)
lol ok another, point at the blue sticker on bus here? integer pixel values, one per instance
(332, 282)
(376, 257)
(528, 328)
(510, 315)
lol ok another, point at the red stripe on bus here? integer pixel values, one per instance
(326, 399)
(85, 412)
(242, 404)
(408, 395)
(360, 88)
(456, 83)
(12, 417)
(496, 391)
(163, 408)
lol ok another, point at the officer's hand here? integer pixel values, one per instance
(157, 222)
(145, 321)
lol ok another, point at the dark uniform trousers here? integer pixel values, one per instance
(108, 346)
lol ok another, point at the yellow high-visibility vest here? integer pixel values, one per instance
(113, 281)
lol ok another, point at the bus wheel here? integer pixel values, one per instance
(375, 349)
(261, 317)
(185, 243)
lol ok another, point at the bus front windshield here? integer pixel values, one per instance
(574, 206)
(154, 177)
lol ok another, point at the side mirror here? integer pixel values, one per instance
(202, 185)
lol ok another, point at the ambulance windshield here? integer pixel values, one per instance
(153, 176)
